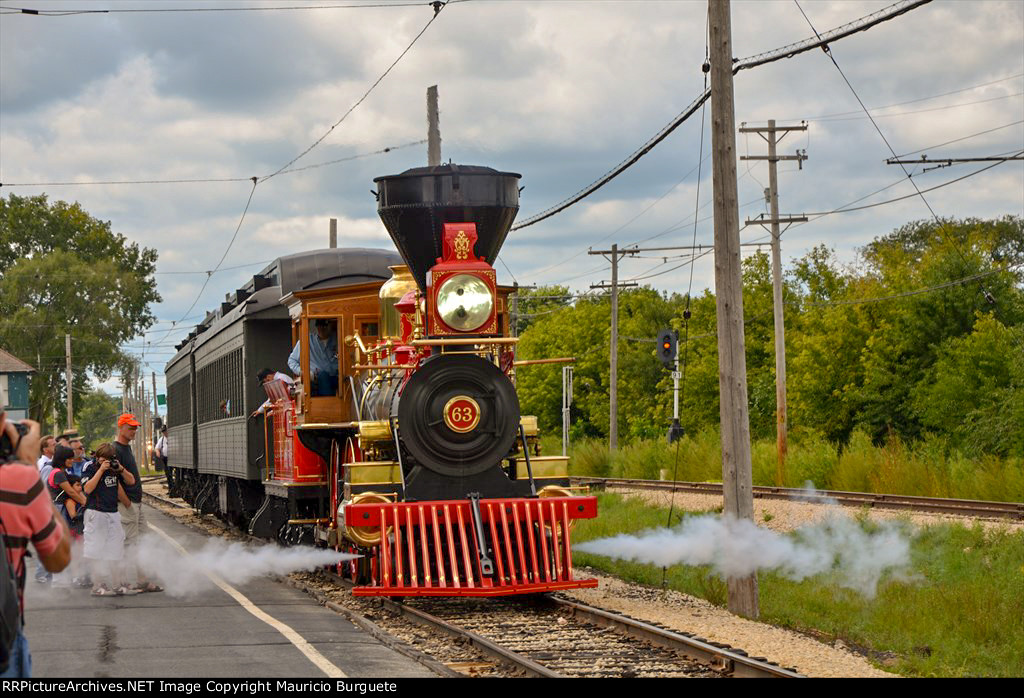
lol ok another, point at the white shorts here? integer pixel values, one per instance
(104, 536)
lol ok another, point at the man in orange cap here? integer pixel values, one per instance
(129, 505)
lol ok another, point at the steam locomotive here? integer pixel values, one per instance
(406, 444)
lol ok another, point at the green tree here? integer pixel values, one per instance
(96, 414)
(907, 331)
(974, 392)
(63, 271)
(583, 331)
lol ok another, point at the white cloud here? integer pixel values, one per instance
(560, 91)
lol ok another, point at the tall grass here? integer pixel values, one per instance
(926, 468)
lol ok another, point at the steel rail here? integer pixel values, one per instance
(940, 505)
(729, 661)
(480, 642)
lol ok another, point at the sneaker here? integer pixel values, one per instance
(103, 591)
(81, 582)
(151, 587)
(127, 591)
(44, 578)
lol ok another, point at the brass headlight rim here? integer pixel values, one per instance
(464, 278)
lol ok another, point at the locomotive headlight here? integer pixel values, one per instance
(464, 302)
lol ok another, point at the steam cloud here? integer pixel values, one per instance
(235, 563)
(738, 547)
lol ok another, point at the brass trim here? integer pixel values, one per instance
(377, 430)
(327, 425)
(278, 483)
(363, 536)
(373, 473)
(529, 424)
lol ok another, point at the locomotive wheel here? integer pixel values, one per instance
(458, 415)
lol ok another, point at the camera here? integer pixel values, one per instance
(115, 465)
(7, 449)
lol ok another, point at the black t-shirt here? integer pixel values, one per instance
(127, 458)
(104, 497)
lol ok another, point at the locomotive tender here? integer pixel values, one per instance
(407, 447)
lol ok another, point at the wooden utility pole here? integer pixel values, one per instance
(613, 386)
(780, 329)
(67, 355)
(433, 128)
(737, 479)
(332, 240)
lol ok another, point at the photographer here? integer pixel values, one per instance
(26, 514)
(104, 536)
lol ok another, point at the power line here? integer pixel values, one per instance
(438, 6)
(957, 140)
(210, 274)
(627, 223)
(920, 111)
(132, 10)
(828, 52)
(908, 196)
(822, 117)
(788, 51)
(380, 151)
(214, 271)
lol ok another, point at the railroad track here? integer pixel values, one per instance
(959, 507)
(549, 636)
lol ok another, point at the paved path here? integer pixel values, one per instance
(260, 629)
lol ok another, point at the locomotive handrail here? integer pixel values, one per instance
(463, 341)
(395, 367)
(531, 362)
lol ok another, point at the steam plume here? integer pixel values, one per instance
(235, 563)
(737, 547)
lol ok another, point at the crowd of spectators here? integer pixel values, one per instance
(65, 497)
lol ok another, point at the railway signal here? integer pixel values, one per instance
(667, 346)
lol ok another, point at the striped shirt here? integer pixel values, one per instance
(27, 515)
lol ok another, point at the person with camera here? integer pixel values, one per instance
(26, 515)
(104, 536)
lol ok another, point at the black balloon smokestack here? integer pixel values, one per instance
(416, 204)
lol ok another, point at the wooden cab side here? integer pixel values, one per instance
(321, 322)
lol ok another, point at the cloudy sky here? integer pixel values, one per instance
(558, 91)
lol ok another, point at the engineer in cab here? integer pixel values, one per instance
(323, 358)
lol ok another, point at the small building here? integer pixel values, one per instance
(14, 385)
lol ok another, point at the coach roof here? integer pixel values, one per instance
(334, 267)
